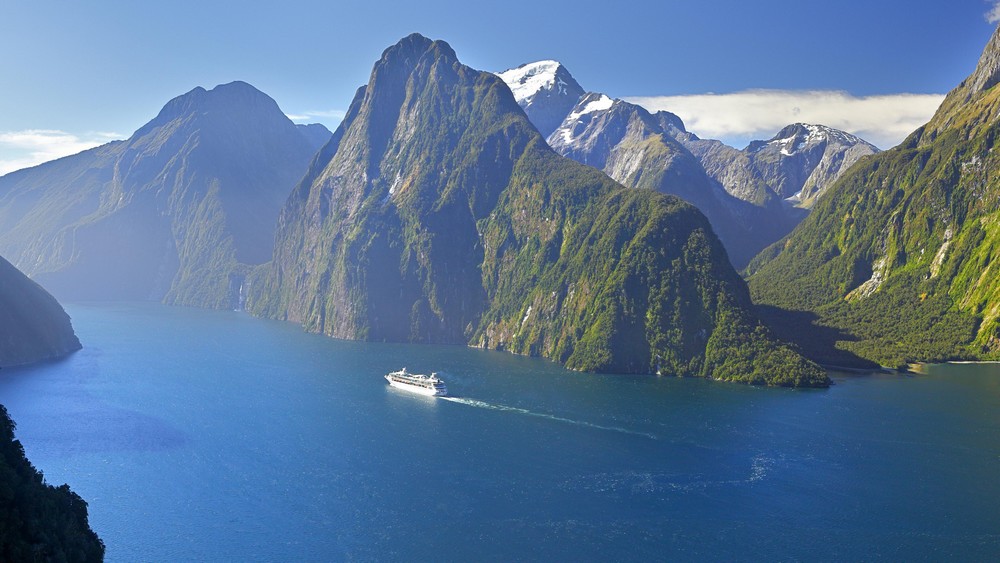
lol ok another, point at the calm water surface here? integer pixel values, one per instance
(202, 435)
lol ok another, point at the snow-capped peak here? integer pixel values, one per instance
(794, 138)
(528, 79)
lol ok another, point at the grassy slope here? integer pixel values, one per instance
(922, 216)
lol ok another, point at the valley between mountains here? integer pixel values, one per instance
(512, 211)
(517, 211)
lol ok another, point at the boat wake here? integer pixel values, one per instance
(505, 408)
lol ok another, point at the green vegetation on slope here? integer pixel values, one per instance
(604, 279)
(900, 257)
(438, 214)
(39, 522)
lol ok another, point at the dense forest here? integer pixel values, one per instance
(39, 522)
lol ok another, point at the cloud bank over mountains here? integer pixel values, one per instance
(993, 15)
(739, 117)
(735, 118)
(31, 147)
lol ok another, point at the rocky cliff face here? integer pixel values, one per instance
(899, 255)
(176, 212)
(439, 214)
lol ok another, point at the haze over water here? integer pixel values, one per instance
(205, 435)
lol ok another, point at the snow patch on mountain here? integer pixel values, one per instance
(545, 90)
(528, 79)
(602, 103)
(580, 116)
(794, 138)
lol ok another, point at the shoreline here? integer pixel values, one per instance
(919, 367)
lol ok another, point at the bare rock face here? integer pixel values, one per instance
(802, 160)
(987, 72)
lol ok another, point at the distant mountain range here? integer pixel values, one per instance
(176, 213)
(438, 214)
(898, 261)
(752, 197)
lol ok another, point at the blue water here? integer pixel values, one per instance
(203, 435)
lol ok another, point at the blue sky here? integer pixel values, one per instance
(79, 73)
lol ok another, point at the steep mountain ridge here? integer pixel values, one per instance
(176, 212)
(900, 256)
(438, 214)
(743, 193)
(639, 150)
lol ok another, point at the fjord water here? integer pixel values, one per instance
(206, 435)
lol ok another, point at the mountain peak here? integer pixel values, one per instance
(233, 97)
(545, 90)
(408, 50)
(529, 79)
(229, 92)
(413, 43)
(968, 106)
(987, 72)
(236, 88)
(792, 139)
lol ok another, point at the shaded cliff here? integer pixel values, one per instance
(33, 326)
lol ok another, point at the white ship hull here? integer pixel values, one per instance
(426, 391)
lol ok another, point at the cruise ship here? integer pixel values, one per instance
(430, 385)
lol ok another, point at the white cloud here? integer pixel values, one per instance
(30, 147)
(739, 117)
(993, 15)
(318, 115)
